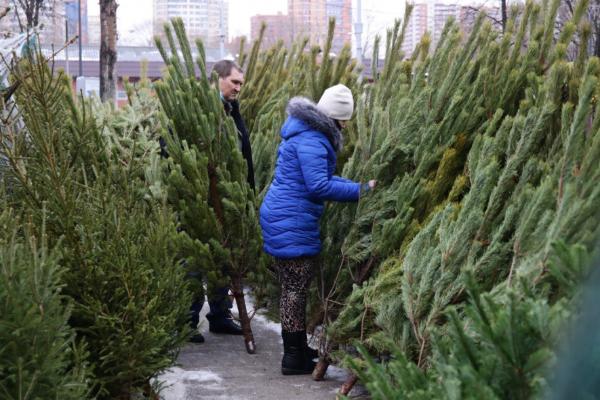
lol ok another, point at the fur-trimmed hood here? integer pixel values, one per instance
(312, 118)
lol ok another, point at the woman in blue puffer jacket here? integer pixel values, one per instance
(293, 205)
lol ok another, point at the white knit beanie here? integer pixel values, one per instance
(337, 103)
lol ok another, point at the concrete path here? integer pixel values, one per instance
(221, 369)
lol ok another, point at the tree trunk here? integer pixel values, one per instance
(320, 369)
(108, 48)
(348, 385)
(238, 292)
(504, 16)
(30, 9)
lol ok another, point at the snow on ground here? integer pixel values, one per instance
(336, 373)
(220, 369)
(176, 380)
(259, 316)
(267, 323)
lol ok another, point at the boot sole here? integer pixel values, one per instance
(291, 371)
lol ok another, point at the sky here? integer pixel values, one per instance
(134, 17)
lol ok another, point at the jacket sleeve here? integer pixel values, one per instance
(341, 179)
(312, 157)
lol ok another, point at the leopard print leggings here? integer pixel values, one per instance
(295, 275)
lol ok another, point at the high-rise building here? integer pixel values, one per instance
(416, 28)
(441, 13)
(72, 18)
(204, 19)
(278, 28)
(431, 16)
(93, 28)
(309, 18)
(341, 10)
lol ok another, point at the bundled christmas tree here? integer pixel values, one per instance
(207, 174)
(89, 189)
(498, 346)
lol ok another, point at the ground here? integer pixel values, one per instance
(221, 369)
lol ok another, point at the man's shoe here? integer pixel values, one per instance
(295, 359)
(311, 353)
(224, 324)
(196, 338)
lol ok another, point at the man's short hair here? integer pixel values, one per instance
(223, 68)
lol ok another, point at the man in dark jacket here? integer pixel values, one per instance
(231, 79)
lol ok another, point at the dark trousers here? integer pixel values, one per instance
(218, 300)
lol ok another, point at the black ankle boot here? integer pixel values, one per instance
(295, 359)
(311, 353)
(223, 323)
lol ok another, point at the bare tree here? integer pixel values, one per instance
(108, 48)
(594, 18)
(592, 15)
(503, 13)
(29, 12)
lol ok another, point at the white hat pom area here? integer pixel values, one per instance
(337, 103)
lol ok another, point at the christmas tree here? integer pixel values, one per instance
(88, 188)
(482, 152)
(206, 175)
(38, 355)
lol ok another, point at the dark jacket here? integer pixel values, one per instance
(232, 108)
(303, 180)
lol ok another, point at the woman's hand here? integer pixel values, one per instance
(367, 187)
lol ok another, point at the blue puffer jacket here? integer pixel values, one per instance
(303, 180)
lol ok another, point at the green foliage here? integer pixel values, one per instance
(207, 176)
(90, 189)
(469, 181)
(38, 354)
(484, 151)
(498, 345)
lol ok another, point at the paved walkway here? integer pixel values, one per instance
(221, 369)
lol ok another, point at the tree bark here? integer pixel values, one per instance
(320, 369)
(348, 385)
(238, 292)
(108, 48)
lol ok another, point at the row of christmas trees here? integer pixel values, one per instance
(101, 228)
(486, 151)
(93, 301)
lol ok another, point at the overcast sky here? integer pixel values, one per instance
(134, 14)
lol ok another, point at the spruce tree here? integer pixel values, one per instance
(39, 357)
(90, 191)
